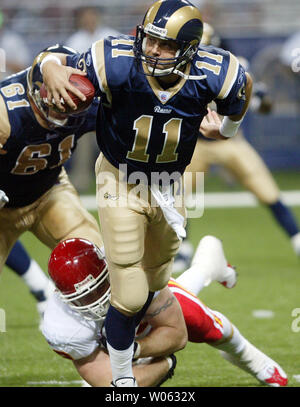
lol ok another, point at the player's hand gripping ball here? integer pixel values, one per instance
(81, 83)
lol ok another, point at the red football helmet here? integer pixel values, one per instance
(80, 274)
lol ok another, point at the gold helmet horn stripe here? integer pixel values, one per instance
(179, 18)
(38, 59)
(151, 14)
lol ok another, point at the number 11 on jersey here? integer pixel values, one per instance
(143, 128)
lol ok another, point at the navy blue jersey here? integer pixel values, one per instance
(145, 126)
(30, 155)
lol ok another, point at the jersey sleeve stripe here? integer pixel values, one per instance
(172, 283)
(230, 78)
(63, 354)
(4, 123)
(122, 41)
(99, 67)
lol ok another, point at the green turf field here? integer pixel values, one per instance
(269, 279)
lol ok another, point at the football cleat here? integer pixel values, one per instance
(230, 277)
(210, 257)
(124, 382)
(259, 365)
(275, 379)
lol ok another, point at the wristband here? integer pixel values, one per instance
(228, 127)
(170, 361)
(3, 199)
(49, 58)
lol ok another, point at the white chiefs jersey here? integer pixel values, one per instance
(68, 332)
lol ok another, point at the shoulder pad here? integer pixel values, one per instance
(112, 60)
(221, 68)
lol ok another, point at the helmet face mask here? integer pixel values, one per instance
(52, 119)
(80, 274)
(91, 298)
(175, 20)
(163, 66)
(53, 115)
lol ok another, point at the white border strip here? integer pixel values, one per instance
(219, 200)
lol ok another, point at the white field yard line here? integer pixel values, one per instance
(220, 200)
(263, 313)
(57, 382)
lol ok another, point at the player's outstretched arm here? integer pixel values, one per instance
(56, 79)
(213, 128)
(168, 334)
(95, 369)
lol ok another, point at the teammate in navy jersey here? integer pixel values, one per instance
(35, 142)
(155, 88)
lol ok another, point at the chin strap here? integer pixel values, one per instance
(191, 77)
(160, 72)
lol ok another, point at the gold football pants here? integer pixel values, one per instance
(242, 160)
(55, 216)
(139, 243)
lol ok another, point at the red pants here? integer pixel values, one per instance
(202, 324)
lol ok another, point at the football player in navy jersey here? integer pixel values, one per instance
(35, 142)
(154, 88)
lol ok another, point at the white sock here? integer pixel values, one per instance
(35, 278)
(192, 279)
(121, 362)
(240, 352)
(234, 342)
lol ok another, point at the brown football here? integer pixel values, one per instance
(84, 85)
